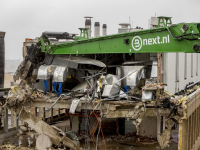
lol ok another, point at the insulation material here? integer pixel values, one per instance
(164, 138)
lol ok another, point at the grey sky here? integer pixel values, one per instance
(22, 19)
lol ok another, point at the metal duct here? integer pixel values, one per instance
(104, 30)
(88, 25)
(96, 29)
(2, 59)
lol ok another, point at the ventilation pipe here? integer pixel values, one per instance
(104, 30)
(96, 29)
(88, 25)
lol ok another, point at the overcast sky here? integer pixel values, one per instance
(22, 19)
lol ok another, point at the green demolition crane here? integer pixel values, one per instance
(168, 37)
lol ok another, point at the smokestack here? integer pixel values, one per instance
(104, 30)
(96, 29)
(88, 25)
(2, 59)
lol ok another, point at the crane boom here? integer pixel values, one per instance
(183, 37)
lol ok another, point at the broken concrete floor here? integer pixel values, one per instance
(12, 144)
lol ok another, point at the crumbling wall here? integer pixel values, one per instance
(43, 128)
(148, 127)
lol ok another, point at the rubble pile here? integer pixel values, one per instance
(126, 94)
(128, 137)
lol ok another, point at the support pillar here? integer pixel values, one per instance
(158, 126)
(40, 115)
(36, 111)
(183, 135)
(75, 124)
(5, 127)
(163, 123)
(44, 114)
(17, 121)
(13, 117)
(51, 113)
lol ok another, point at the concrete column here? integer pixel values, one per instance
(192, 130)
(163, 123)
(17, 121)
(75, 124)
(40, 115)
(198, 117)
(48, 114)
(32, 110)
(36, 111)
(13, 117)
(55, 112)
(196, 125)
(5, 119)
(183, 135)
(189, 131)
(44, 114)
(52, 113)
(158, 126)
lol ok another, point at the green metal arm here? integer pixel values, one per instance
(183, 37)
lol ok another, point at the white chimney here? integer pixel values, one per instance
(104, 30)
(88, 25)
(96, 29)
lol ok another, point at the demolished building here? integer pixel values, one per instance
(105, 85)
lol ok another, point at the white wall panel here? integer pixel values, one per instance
(177, 72)
(170, 72)
(189, 78)
(194, 66)
(181, 83)
(198, 67)
(182, 66)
